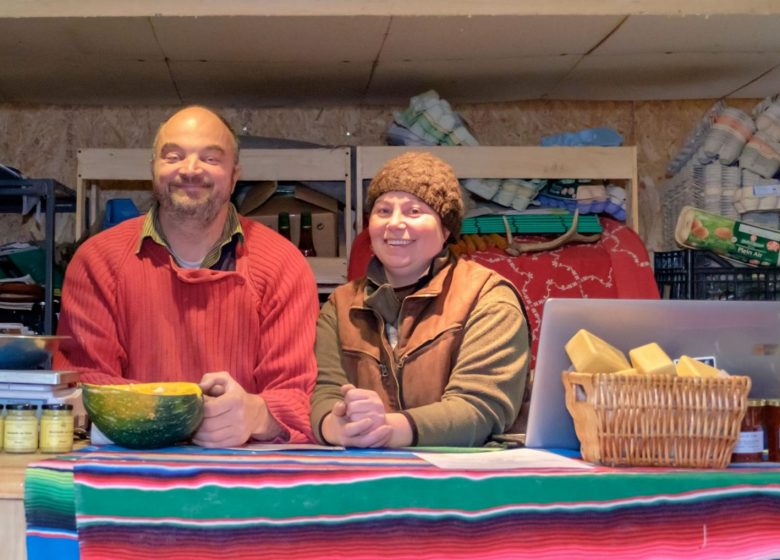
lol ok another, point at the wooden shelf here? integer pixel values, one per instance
(322, 164)
(526, 162)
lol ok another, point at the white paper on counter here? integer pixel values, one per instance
(522, 458)
(287, 447)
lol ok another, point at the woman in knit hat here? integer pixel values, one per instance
(427, 349)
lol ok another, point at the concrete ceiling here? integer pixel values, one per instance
(316, 59)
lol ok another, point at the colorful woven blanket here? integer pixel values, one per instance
(190, 503)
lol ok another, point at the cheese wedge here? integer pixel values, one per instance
(691, 367)
(650, 359)
(629, 371)
(589, 354)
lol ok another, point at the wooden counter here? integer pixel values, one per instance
(12, 466)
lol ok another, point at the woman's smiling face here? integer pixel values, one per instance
(405, 234)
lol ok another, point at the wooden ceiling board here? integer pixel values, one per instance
(126, 38)
(662, 76)
(261, 84)
(465, 82)
(92, 8)
(767, 84)
(271, 39)
(88, 80)
(713, 34)
(486, 37)
(291, 58)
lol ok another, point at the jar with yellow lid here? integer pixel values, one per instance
(21, 428)
(750, 443)
(772, 420)
(56, 428)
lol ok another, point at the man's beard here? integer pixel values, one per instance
(178, 206)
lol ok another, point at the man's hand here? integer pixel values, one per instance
(231, 416)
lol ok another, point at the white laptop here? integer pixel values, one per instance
(743, 336)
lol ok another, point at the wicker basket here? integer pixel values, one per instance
(656, 420)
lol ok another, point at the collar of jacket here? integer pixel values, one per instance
(380, 295)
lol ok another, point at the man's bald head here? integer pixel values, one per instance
(200, 114)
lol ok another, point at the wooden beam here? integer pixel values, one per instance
(270, 8)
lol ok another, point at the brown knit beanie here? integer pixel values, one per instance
(426, 177)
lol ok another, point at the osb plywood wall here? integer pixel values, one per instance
(42, 141)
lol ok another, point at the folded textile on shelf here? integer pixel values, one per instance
(485, 188)
(761, 155)
(731, 131)
(768, 122)
(525, 192)
(593, 193)
(585, 137)
(731, 181)
(397, 135)
(432, 118)
(616, 202)
(692, 147)
(757, 194)
(764, 104)
(587, 197)
(512, 193)
(506, 193)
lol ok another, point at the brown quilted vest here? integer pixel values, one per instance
(430, 330)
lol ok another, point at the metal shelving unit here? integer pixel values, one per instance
(55, 197)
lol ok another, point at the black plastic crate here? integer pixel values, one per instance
(696, 274)
(673, 274)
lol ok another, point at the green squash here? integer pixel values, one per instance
(145, 415)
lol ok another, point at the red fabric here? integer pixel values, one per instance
(616, 266)
(138, 316)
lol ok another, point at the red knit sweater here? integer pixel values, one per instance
(141, 317)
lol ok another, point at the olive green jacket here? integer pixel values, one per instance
(459, 367)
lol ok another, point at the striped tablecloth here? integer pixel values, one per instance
(191, 503)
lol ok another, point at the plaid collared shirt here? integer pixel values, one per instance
(222, 256)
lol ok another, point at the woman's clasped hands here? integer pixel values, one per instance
(360, 420)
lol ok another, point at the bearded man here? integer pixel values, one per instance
(194, 292)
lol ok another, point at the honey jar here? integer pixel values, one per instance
(772, 421)
(21, 428)
(56, 428)
(750, 443)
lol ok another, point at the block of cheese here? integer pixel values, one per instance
(589, 354)
(629, 371)
(691, 367)
(650, 358)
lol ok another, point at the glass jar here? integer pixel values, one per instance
(21, 428)
(57, 428)
(750, 443)
(772, 421)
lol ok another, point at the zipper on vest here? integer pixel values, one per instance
(399, 377)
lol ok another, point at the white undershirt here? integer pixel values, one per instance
(185, 264)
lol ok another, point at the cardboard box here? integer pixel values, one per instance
(266, 200)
